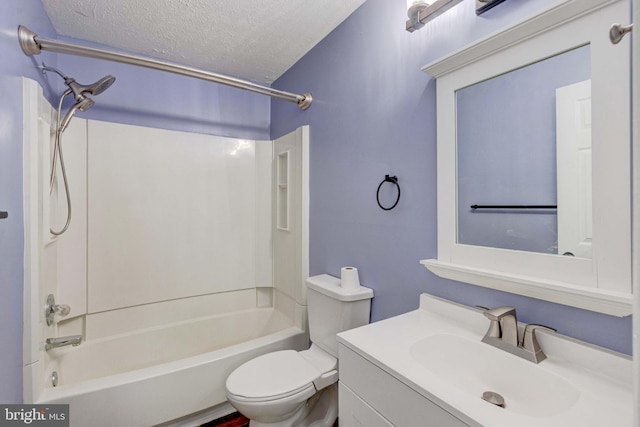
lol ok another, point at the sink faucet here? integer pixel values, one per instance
(73, 340)
(503, 334)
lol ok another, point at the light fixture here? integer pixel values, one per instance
(420, 12)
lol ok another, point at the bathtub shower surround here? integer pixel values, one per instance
(168, 267)
(171, 215)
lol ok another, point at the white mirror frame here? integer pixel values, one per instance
(603, 283)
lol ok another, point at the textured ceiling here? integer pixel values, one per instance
(249, 39)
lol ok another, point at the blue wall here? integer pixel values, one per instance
(374, 114)
(13, 66)
(163, 100)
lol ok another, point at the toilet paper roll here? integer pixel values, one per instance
(349, 278)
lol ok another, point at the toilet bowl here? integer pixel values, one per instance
(290, 388)
(276, 389)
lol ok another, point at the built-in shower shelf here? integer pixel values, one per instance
(283, 191)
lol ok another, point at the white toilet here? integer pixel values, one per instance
(291, 388)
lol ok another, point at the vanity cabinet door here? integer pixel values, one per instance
(392, 400)
(354, 412)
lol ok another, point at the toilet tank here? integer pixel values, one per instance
(333, 309)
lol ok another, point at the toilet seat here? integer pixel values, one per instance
(276, 376)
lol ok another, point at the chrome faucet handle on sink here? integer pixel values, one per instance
(500, 312)
(504, 324)
(529, 341)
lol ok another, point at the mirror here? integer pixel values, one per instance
(523, 162)
(531, 69)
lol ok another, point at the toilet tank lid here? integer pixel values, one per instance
(330, 286)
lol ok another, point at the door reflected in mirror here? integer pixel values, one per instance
(524, 158)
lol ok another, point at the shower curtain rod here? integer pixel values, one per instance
(32, 44)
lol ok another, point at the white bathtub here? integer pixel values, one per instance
(159, 374)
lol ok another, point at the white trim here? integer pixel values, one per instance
(635, 35)
(31, 92)
(34, 106)
(565, 11)
(566, 280)
(306, 199)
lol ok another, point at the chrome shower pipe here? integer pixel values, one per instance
(32, 44)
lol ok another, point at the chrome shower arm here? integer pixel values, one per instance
(55, 70)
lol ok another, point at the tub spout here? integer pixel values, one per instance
(73, 340)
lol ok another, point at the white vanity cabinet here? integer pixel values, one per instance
(430, 368)
(371, 397)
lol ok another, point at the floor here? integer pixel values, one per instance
(232, 420)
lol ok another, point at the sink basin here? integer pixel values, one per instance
(475, 368)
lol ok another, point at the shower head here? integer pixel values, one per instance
(83, 105)
(94, 89)
(79, 90)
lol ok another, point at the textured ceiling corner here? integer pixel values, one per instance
(249, 39)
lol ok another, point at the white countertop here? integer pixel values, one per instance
(602, 377)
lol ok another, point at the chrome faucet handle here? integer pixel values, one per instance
(529, 341)
(499, 312)
(52, 309)
(504, 325)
